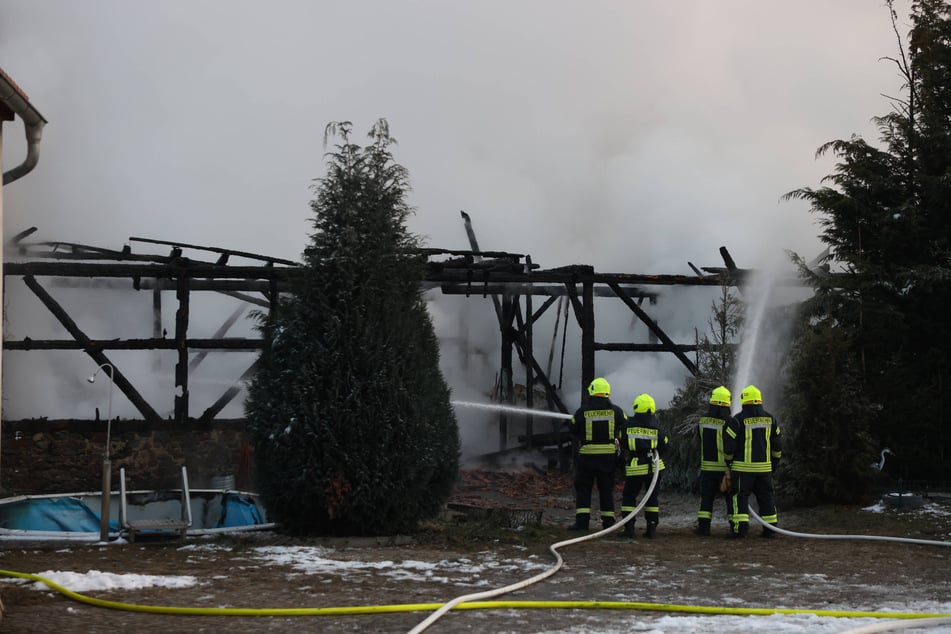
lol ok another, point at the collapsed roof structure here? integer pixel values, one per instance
(512, 281)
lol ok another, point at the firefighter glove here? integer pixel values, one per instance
(725, 482)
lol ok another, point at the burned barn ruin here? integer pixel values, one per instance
(521, 293)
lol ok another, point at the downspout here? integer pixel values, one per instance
(13, 103)
(33, 122)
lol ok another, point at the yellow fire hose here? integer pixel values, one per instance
(472, 605)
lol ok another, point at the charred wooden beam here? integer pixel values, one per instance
(229, 344)
(695, 270)
(138, 426)
(587, 334)
(572, 294)
(550, 389)
(526, 332)
(264, 303)
(507, 316)
(464, 276)
(225, 252)
(157, 328)
(478, 260)
(465, 253)
(117, 377)
(158, 271)
(527, 355)
(23, 234)
(727, 259)
(225, 287)
(540, 289)
(222, 330)
(66, 251)
(656, 329)
(216, 274)
(542, 309)
(646, 347)
(181, 335)
(228, 395)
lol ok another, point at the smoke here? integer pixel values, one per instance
(633, 137)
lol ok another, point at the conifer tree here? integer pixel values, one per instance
(826, 423)
(349, 415)
(884, 214)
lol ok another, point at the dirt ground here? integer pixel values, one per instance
(482, 528)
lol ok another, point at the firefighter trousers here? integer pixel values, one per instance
(594, 470)
(760, 485)
(709, 490)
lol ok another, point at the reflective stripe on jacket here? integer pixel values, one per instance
(711, 427)
(639, 437)
(753, 441)
(595, 425)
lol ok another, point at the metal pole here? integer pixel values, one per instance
(106, 494)
(106, 462)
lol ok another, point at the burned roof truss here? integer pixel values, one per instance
(520, 290)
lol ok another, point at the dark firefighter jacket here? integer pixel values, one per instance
(596, 424)
(640, 435)
(753, 441)
(711, 426)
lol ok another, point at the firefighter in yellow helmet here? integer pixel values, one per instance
(713, 467)
(753, 449)
(595, 427)
(641, 439)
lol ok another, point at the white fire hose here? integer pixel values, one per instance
(478, 596)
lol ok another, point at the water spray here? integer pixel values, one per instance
(752, 329)
(512, 410)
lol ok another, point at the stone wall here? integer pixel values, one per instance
(61, 460)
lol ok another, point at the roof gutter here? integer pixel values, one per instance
(16, 100)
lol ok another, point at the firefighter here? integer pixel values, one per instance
(713, 469)
(641, 438)
(595, 427)
(752, 451)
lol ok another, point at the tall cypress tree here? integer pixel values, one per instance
(348, 413)
(884, 214)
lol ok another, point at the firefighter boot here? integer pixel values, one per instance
(651, 531)
(607, 522)
(581, 522)
(769, 533)
(629, 529)
(703, 528)
(740, 531)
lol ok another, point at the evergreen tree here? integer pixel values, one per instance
(827, 418)
(884, 216)
(348, 413)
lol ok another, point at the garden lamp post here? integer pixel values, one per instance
(106, 463)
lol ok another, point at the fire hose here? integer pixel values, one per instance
(471, 602)
(432, 618)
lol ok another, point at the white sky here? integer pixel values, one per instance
(632, 136)
(310, 565)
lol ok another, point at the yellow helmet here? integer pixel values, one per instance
(720, 396)
(644, 403)
(751, 396)
(599, 387)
